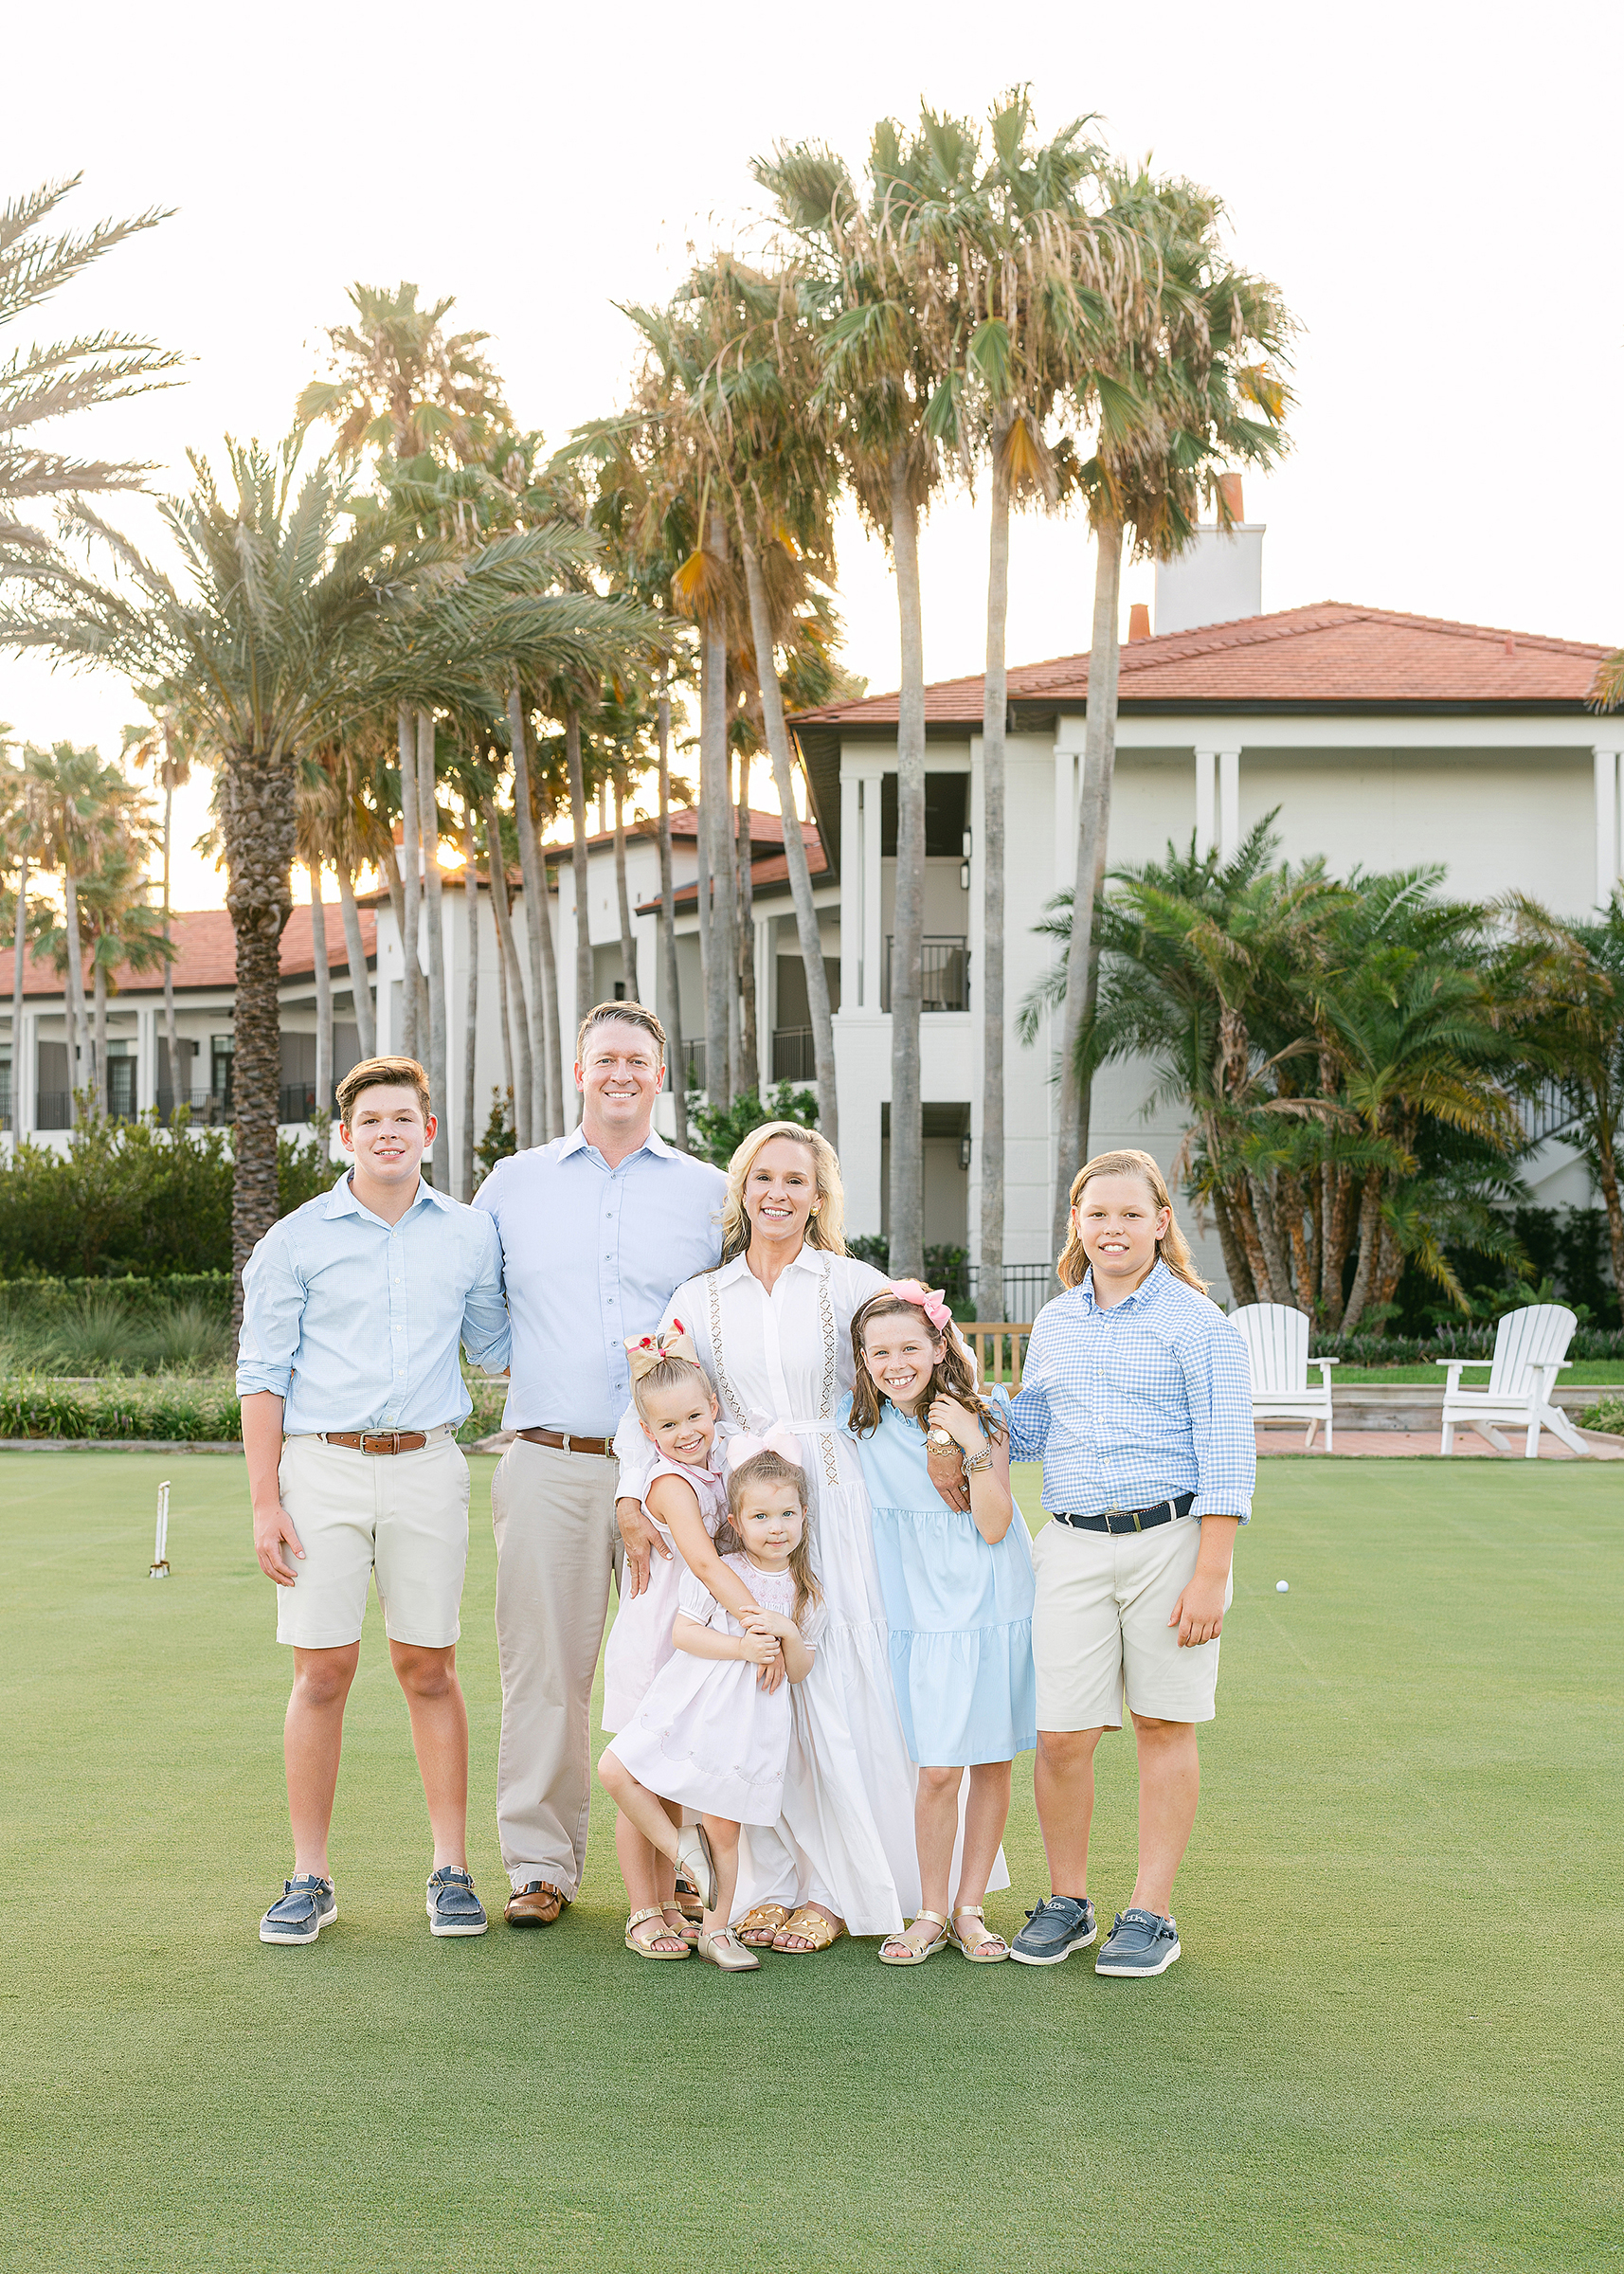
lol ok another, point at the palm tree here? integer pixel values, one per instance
(42, 383)
(881, 265)
(1570, 984)
(73, 789)
(21, 836)
(121, 925)
(1188, 387)
(164, 745)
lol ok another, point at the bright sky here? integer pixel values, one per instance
(1433, 187)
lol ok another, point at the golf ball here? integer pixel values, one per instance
(1282, 1586)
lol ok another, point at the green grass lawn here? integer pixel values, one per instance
(1393, 2040)
(1582, 1373)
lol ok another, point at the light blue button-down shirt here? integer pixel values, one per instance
(1148, 1400)
(591, 1255)
(356, 1323)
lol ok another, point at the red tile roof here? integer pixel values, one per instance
(1332, 655)
(774, 870)
(206, 953)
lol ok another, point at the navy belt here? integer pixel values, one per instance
(1117, 1521)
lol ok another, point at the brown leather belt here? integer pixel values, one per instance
(562, 1441)
(385, 1440)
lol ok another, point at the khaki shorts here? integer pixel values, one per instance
(401, 1515)
(1100, 1631)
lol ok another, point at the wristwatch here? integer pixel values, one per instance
(938, 1441)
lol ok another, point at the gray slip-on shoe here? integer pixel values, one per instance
(1060, 1924)
(452, 1906)
(1141, 1942)
(307, 1905)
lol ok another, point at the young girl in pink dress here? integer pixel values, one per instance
(708, 1735)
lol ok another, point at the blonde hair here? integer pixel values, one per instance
(825, 1226)
(770, 1467)
(669, 1374)
(1173, 1248)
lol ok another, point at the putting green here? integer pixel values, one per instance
(1391, 2041)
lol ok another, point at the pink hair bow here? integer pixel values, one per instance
(780, 1438)
(929, 1300)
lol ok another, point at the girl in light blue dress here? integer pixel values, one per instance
(958, 1590)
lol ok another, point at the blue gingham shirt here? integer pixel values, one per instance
(591, 1255)
(356, 1323)
(1139, 1403)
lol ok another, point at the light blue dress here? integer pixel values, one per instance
(960, 1612)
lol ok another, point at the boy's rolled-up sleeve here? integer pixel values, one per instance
(273, 1310)
(487, 1331)
(1219, 1383)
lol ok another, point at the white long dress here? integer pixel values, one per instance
(845, 1839)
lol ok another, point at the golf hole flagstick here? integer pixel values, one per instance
(161, 1536)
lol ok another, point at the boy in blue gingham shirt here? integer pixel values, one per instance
(1138, 1398)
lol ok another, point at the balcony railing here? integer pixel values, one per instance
(295, 1101)
(1027, 1288)
(944, 974)
(1548, 1113)
(687, 1064)
(210, 1108)
(794, 1057)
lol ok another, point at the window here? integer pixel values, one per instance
(947, 815)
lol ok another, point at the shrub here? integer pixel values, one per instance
(716, 1134)
(1606, 1415)
(167, 1406)
(124, 1197)
(117, 1326)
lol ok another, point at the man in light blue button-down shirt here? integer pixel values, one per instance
(598, 1228)
(353, 1310)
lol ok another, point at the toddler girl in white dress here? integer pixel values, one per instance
(706, 1735)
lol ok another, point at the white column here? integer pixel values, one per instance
(1068, 774)
(1229, 803)
(851, 893)
(1206, 780)
(1607, 859)
(766, 997)
(25, 1077)
(874, 938)
(146, 1058)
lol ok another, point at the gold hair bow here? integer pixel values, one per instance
(647, 1351)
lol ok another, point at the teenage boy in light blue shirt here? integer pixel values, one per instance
(353, 1310)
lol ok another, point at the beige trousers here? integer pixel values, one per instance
(557, 1544)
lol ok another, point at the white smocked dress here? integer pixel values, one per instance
(845, 1838)
(640, 1640)
(707, 1734)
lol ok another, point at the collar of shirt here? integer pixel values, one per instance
(577, 1141)
(804, 1259)
(1148, 1285)
(341, 1201)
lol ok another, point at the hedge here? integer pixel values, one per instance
(37, 1302)
(175, 1406)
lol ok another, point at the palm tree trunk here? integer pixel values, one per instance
(323, 998)
(78, 1037)
(667, 926)
(542, 1029)
(257, 824)
(1236, 1270)
(360, 979)
(1250, 1240)
(989, 1283)
(98, 994)
(523, 1085)
(405, 743)
(470, 1001)
(438, 1068)
(738, 1080)
(17, 976)
(715, 816)
(1269, 1233)
(749, 1046)
(907, 960)
(1369, 1241)
(628, 937)
(172, 1035)
(1607, 1175)
(507, 1036)
(1093, 831)
(794, 848)
(554, 1125)
(582, 909)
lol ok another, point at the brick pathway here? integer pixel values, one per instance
(1356, 1444)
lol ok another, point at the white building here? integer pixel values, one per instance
(1382, 740)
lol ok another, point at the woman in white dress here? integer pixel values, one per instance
(772, 1326)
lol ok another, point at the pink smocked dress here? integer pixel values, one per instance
(640, 1640)
(707, 1734)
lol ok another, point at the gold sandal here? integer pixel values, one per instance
(646, 1950)
(815, 1931)
(765, 1919)
(978, 1953)
(913, 1954)
(687, 1929)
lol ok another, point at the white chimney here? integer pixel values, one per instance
(1218, 577)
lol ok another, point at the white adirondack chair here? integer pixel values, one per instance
(1276, 1339)
(1530, 1349)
